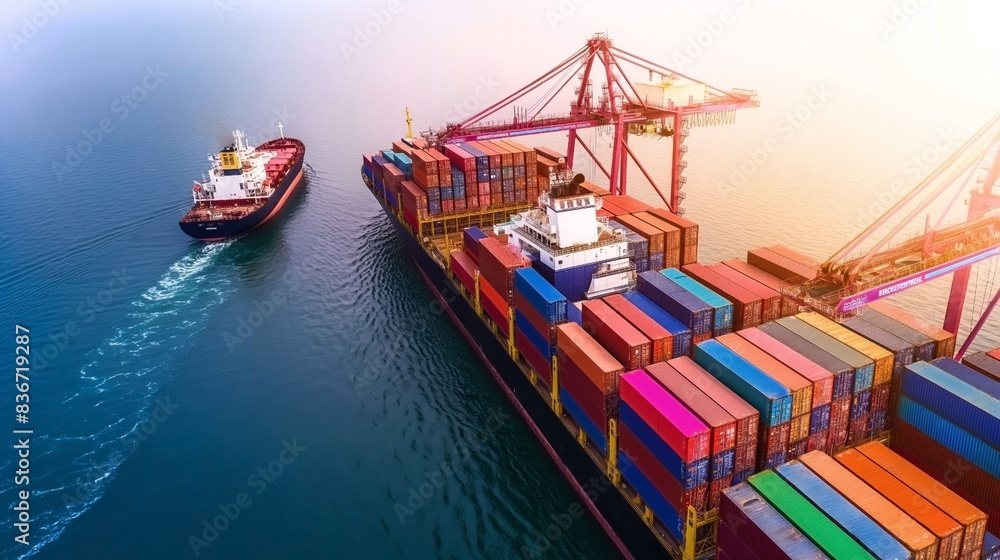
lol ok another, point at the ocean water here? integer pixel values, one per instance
(295, 393)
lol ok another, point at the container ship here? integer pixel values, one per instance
(245, 188)
(734, 411)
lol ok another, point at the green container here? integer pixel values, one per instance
(820, 529)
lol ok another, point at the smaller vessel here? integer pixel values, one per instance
(245, 187)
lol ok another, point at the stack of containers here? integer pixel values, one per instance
(679, 334)
(903, 354)
(843, 381)
(722, 316)
(625, 342)
(800, 388)
(538, 309)
(392, 179)
(425, 175)
(471, 237)
(945, 341)
(663, 450)
(588, 381)
(671, 238)
(948, 531)
(661, 341)
(770, 299)
(746, 416)
(510, 193)
(629, 204)
(689, 234)
(481, 177)
(770, 398)
(748, 308)
(918, 541)
(366, 167)
(866, 531)
(464, 268)
(652, 235)
(489, 173)
(377, 163)
(983, 363)
(403, 162)
(751, 529)
(821, 379)
(459, 191)
(864, 372)
(637, 245)
(813, 523)
(692, 312)
(788, 305)
(414, 203)
(926, 347)
(882, 359)
(721, 424)
(497, 263)
(949, 425)
(466, 166)
(783, 263)
(973, 520)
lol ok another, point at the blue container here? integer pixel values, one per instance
(574, 314)
(722, 464)
(959, 441)
(637, 244)
(574, 410)
(689, 475)
(458, 191)
(864, 367)
(482, 160)
(861, 404)
(642, 265)
(434, 205)
(867, 532)
(543, 296)
(965, 406)
(471, 237)
(483, 175)
(991, 547)
(757, 523)
(969, 375)
(657, 261)
(540, 341)
(391, 197)
(447, 193)
(877, 422)
(457, 176)
(743, 476)
(681, 333)
(571, 282)
(775, 459)
(771, 398)
(651, 496)
(518, 171)
(666, 294)
(843, 373)
(819, 420)
(723, 315)
(404, 163)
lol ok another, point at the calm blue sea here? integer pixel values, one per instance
(295, 393)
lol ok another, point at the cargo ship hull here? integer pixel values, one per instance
(612, 509)
(199, 226)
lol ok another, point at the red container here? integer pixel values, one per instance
(484, 201)
(497, 263)
(494, 306)
(701, 337)
(821, 379)
(715, 490)
(628, 203)
(546, 329)
(880, 397)
(401, 147)
(671, 233)
(747, 417)
(746, 457)
(820, 441)
(594, 361)
(840, 412)
(775, 440)
(747, 307)
(535, 360)
(624, 341)
(689, 234)
(662, 342)
(462, 159)
(611, 207)
(671, 489)
(460, 205)
(780, 265)
(788, 306)
(464, 269)
(448, 205)
(770, 299)
(414, 200)
(995, 354)
(650, 233)
(721, 423)
(549, 153)
(472, 202)
(484, 187)
(857, 430)
(597, 406)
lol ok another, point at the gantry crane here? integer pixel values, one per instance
(667, 105)
(895, 262)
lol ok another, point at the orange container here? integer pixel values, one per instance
(596, 363)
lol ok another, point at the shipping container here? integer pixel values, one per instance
(651, 497)
(669, 487)
(689, 475)
(926, 347)
(800, 388)
(991, 548)
(652, 235)
(679, 427)
(787, 268)
(815, 524)
(595, 403)
(574, 411)
(972, 519)
(945, 432)
(541, 295)
(944, 339)
(883, 359)
(661, 341)
(983, 364)
(822, 379)
(747, 307)
(594, 361)
(637, 244)
(770, 398)
(497, 263)
(471, 237)
(671, 233)
(550, 154)
(628, 203)
(843, 373)
(495, 306)
(903, 352)
(788, 305)
(722, 316)
(680, 334)
(751, 529)
(917, 539)
(689, 233)
(464, 269)
(863, 366)
(616, 334)
(969, 375)
(770, 299)
(682, 304)
(865, 531)
(961, 403)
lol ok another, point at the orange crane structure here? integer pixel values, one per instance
(667, 104)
